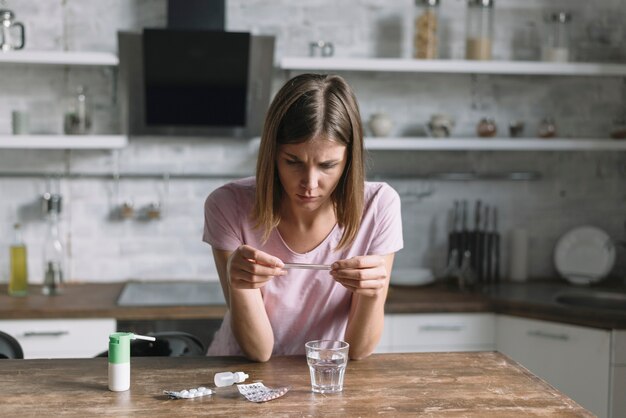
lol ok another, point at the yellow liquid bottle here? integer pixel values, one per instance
(18, 279)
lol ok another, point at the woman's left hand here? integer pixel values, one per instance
(365, 275)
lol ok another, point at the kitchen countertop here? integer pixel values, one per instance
(94, 300)
(530, 300)
(480, 384)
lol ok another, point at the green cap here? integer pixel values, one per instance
(119, 347)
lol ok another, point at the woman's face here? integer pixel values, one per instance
(310, 171)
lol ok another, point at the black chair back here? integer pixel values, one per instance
(167, 344)
(10, 347)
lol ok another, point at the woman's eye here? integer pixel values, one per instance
(328, 166)
(291, 162)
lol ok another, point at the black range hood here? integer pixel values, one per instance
(193, 78)
(196, 14)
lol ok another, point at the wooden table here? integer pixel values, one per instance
(479, 384)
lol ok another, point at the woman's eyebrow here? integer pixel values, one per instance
(295, 157)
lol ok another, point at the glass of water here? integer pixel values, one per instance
(327, 361)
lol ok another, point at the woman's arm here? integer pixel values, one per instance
(368, 278)
(242, 272)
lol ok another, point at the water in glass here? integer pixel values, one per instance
(327, 364)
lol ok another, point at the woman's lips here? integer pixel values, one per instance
(307, 198)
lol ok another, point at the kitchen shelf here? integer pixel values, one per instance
(484, 144)
(59, 58)
(63, 141)
(494, 144)
(453, 66)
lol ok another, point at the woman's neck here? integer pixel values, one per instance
(303, 232)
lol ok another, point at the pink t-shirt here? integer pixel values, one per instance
(303, 305)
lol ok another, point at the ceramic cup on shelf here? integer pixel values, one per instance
(486, 128)
(20, 122)
(516, 129)
(321, 49)
(440, 125)
(380, 124)
(547, 128)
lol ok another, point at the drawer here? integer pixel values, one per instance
(442, 332)
(60, 338)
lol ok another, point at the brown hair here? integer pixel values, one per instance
(307, 106)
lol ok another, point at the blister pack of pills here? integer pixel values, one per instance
(258, 392)
(189, 393)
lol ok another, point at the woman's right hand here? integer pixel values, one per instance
(249, 268)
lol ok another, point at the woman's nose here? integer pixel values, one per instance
(310, 180)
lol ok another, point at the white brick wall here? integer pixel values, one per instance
(577, 187)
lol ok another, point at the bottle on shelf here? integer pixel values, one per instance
(479, 29)
(77, 120)
(425, 43)
(556, 47)
(53, 250)
(18, 279)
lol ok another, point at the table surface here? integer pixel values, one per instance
(477, 384)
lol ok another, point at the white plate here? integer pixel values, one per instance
(584, 255)
(411, 276)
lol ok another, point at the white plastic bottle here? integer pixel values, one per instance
(227, 378)
(119, 359)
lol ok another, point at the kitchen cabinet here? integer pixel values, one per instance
(60, 338)
(579, 361)
(437, 332)
(514, 68)
(61, 58)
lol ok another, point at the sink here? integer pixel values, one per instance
(171, 293)
(593, 299)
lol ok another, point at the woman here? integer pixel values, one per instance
(309, 203)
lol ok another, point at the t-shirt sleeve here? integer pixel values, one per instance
(222, 229)
(387, 237)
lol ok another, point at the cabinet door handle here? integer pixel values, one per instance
(548, 335)
(45, 333)
(440, 328)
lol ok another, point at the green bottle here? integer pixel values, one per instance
(18, 279)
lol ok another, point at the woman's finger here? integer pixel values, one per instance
(259, 257)
(359, 262)
(360, 274)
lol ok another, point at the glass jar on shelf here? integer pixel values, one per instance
(426, 39)
(77, 120)
(556, 46)
(479, 29)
